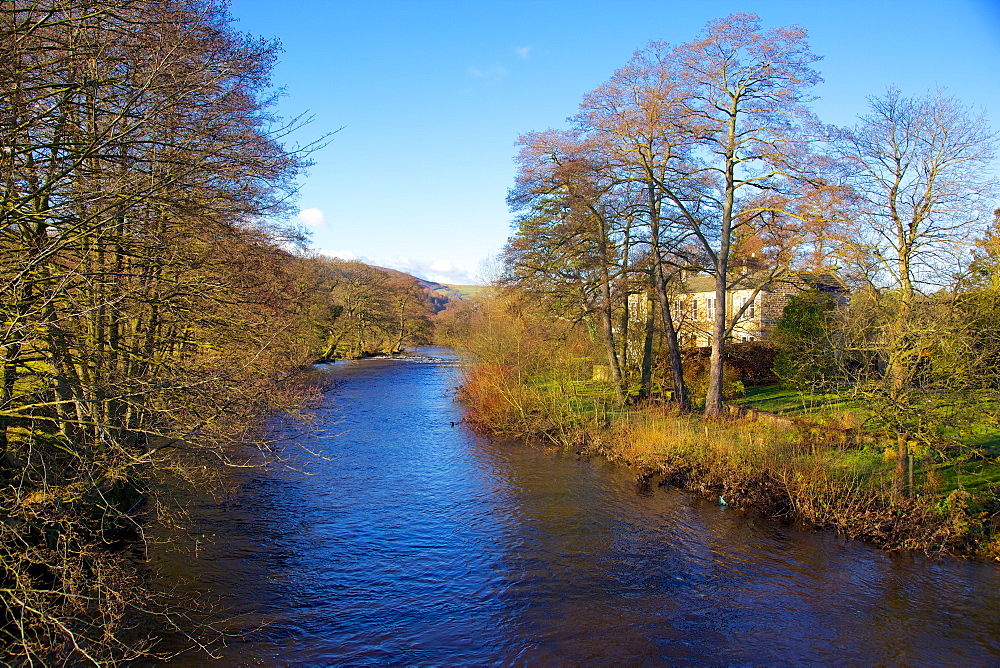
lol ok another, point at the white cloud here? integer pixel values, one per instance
(438, 271)
(523, 52)
(339, 254)
(312, 218)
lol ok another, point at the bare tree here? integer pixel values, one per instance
(574, 239)
(716, 135)
(920, 168)
(745, 103)
(638, 117)
(921, 173)
(368, 310)
(707, 150)
(144, 303)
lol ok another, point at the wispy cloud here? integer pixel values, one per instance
(312, 218)
(339, 254)
(439, 271)
(496, 73)
(493, 74)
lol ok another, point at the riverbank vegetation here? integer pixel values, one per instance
(704, 160)
(152, 315)
(823, 458)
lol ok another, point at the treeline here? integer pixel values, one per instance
(372, 311)
(706, 158)
(150, 315)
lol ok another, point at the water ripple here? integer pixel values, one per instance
(416, 542)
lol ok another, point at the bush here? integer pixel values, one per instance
(753, 363)
(746, 365)
(802, 336)
(528, 374)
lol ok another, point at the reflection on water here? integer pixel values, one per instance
(411, 540)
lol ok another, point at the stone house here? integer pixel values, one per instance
(694, 305)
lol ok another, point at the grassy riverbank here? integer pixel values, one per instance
(825, 473)
(968, 448)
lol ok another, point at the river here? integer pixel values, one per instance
(395, 535)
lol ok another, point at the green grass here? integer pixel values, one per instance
(772, 398)
(972, 422)
(974, 475)
(464, 291)
(585, 398)
(784, 401)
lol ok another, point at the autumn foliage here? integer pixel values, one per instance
(150, 314)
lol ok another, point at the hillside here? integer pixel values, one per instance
(440, 294)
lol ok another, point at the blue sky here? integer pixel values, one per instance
(431, 96)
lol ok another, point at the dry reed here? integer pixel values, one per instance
(791, 472)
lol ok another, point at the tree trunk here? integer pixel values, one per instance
(902, 457)
(681, 398)
(606, 311)
(607, 332)
(646, 369)
(713, 397)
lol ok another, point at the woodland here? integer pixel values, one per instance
(151, 315)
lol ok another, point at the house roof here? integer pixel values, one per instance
(823, 281)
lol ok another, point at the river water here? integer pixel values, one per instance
(395, 535)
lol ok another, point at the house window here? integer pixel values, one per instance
(749, 303)
(710, 308)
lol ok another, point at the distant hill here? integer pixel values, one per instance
(440, 294)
